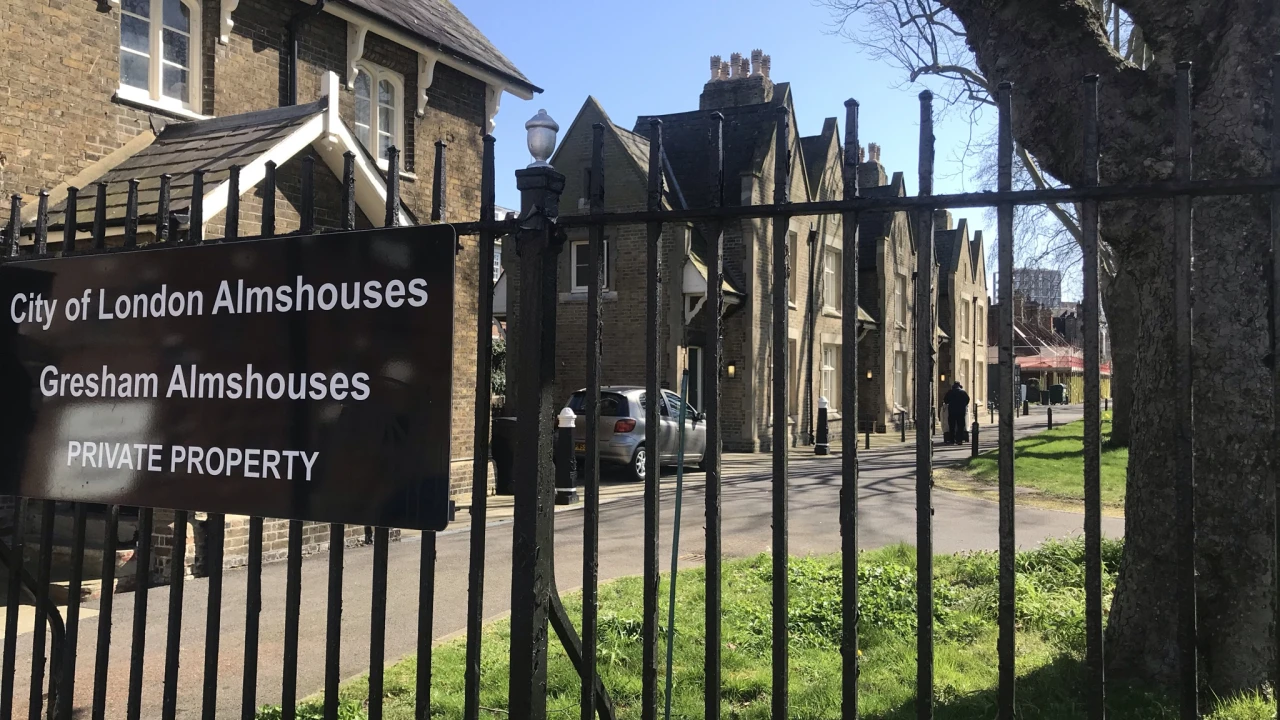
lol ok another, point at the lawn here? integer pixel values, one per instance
(1052, 462)
(1049, 652)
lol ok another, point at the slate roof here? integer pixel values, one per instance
(814, 148)
(443, 25)
(181, 148)
(944, 243)
(686, 138)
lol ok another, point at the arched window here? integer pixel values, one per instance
(160, 53)
(379, 109)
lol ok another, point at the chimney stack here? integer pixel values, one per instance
(743, 80)
(871, 173)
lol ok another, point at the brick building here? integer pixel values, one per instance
(962, 307)
(886, 282)
(745, 94)
(121, 89)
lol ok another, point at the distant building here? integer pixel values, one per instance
(1043, 287)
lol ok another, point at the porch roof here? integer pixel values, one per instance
(248, 140)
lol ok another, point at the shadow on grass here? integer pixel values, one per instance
(1056, 691)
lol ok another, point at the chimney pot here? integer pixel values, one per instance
(735, 65)
(724, 70)
(873, 150)
(716, 62)
(765, 64)
(744, 67)
(757, 60)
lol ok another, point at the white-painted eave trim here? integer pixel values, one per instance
(396, 35)
(331, 139)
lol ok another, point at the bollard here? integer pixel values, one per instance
(821, 447)
(974, 438)
(902, 424)
(933, 421)
(1026, 408)
(566, 463)
(992, 409)
(1050, 418)
(868, 439)
(1106, 404)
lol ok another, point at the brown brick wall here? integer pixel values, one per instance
(58, 117)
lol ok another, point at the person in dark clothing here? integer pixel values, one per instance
(957, 402)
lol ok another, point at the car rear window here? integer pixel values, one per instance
(611, 404)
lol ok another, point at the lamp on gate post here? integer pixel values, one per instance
(821, 447)
(566, 463)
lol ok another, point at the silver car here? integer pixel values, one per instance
(622, 429)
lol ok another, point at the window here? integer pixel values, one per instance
(900, 299)
(159, 53)
(695, 377)
(964, 320)
(793, 260)
(964, 378)
(831, 376)
(900, 378)
(831, 285)
(979, 323)
(581, 269)
(379, 115)
(793, 379)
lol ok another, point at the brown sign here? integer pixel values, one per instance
(298, 377)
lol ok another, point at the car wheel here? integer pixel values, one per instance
(639, 464)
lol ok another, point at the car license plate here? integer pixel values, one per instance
(580, 447)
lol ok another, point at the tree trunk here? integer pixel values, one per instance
(1045, 47)
(1120, 301)
(1233, 490)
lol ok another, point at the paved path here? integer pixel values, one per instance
(886, 515)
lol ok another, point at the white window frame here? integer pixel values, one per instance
(966, 318)
(900, 313)
(832, 281)
(574, 247)
(695, 359)
(830, 384)
(900, 378)
(793, 260)
(153, 95)
(377, 75)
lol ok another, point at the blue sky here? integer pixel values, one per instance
(652, 58)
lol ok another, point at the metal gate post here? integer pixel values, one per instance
(538, 246)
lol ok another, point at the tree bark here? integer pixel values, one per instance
(1045, 47)
(1120, 302)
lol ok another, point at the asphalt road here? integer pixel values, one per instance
(887, 513)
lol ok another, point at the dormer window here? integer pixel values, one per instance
(379, 110)
(159, 54)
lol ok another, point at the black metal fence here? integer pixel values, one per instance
(539, 233)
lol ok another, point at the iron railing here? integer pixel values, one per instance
(539, 232)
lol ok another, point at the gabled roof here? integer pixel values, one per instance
(950, 244)
(815, 149)
(248, 140)
(442, 25)
(872, 226)
(978, 259)
(634, 145)
(748, 134)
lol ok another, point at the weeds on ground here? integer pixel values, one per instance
(1050, 639)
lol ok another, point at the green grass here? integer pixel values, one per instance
(1049, 645)
(1052, 462)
